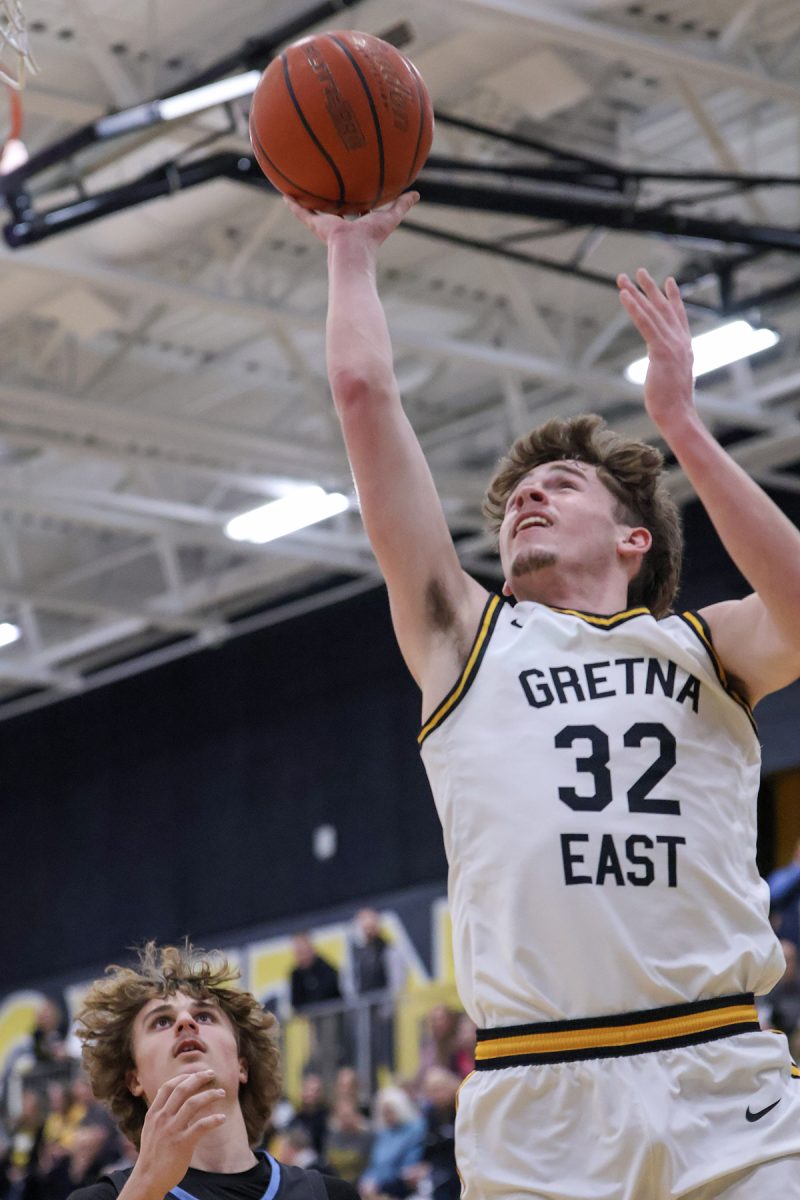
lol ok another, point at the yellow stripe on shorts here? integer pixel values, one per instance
(636, 1033)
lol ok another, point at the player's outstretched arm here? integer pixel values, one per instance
(435, 605)
(758, 638)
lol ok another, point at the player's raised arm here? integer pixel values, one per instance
(435, 605)
(758, 638)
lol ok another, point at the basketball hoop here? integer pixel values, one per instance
(13, 151)
(15, 56)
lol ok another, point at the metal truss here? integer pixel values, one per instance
(151, 390)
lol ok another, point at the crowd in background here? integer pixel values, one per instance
(397, 1142)
(60, 1138)
(354, 1117)
(781, 1008)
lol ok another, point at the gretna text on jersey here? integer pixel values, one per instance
(612, 677)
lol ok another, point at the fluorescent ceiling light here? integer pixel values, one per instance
(305, 506)
(171, 108)
(717, 348)
(9, 633)
(219, 92)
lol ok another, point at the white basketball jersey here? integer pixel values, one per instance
(596, 779)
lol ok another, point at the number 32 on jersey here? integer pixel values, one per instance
(639, 860)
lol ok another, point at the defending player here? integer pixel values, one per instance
(189, 1066)
(595, 766)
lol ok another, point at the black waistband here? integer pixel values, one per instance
(621, 1034)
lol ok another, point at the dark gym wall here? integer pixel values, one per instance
(183, 800)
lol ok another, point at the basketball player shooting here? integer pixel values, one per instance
(595, 763)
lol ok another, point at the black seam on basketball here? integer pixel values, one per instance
(412, 173)
(292, 182)
(375, 117)
(310, 131)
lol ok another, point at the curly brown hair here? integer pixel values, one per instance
(632, 473)
(109, 1008)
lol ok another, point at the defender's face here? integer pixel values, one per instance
(179, 1035)
(559, 515)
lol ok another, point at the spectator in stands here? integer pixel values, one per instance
(41, 1056)
(58, 1128)
(377, 973)
(350, 1139)
(84, 1107)
(49, 1034)
(465, 1040)
(312, 1112)
(780, 1008)
(315, 981)
(64, 1117)
(5, 1145)
(24, 1140)
(294, 1148)
(438, 1047)
(438, 1165)
(397, 1146)
(80, 1102)
(85, 1110)
(347, 1086)
(784, 894)
(90, 1152)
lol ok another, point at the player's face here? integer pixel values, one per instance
(179, 1035)
(559, 516)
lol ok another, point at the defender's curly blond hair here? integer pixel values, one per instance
(632, 472)
(109, 1008)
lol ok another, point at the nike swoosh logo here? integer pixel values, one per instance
(514, 621)
(756, 1116)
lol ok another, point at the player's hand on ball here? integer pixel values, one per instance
(374, 227)
(183, 1109)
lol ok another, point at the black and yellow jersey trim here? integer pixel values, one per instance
(600, 621)
(457, 693)
(698, 626)
(616, 1036)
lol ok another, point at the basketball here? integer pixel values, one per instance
(341, 122)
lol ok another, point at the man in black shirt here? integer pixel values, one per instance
(190, 1069)
(313, 982)
(313, 979)
(376, 978)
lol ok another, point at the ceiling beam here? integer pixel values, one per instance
(326, 546)
(94, 610)
(559, 25)
(93, 424)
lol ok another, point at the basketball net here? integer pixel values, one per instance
(16, 59)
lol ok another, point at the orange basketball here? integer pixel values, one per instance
(341, 122)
